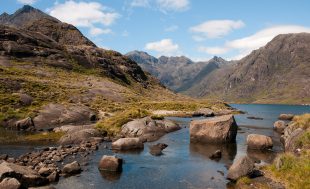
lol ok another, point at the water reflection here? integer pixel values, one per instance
(263, 155)
(229, 151)
(133, 151)
(111, 176)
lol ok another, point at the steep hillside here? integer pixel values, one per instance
(177, 73)
(47, 80)
(32, 19)
(276, 73)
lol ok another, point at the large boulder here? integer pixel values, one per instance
(241, 167)
(288, 117)
(220, 129)
(54, 115)
(24, 124)
(79, 136)
(110, 163)
(149, 129)
(10, 183)
(71, 168)
(279, 126)
(127, 144)
(259, 142)
(26, 176)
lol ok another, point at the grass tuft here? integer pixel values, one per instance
(112, 125)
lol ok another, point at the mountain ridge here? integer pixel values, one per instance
(177, 73)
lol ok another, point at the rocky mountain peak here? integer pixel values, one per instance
(26, 8)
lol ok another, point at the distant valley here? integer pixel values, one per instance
(276, 73)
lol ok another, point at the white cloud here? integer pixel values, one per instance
(213, 50)
(173, 5)
(247, 44)
(215, 28)
(172, 28)
(98, 31)
(140, 3)
(85, 14)
(164, 46)
(28, 2)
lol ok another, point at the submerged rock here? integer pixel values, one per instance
(259, 142)
(288, 117)
(220, 129)
(156, 150)
(110, 163)
(127, 144)
(242, 167)
(216, 155)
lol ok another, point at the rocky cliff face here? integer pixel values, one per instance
(32, 19)
(278, 72)
(177, 73)
(34, 36)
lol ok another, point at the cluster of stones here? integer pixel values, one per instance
(45, 166)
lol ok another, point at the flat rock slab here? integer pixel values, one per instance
(54, 115)
(221, 129)
(79, 136)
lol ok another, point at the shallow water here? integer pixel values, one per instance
(185, 165)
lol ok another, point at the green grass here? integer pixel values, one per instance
(294, 172)
(9, 137)
(302, 121)
(304, 140)
(112, 125)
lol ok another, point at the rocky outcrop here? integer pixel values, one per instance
(288, 117)
(24, 124)
(127, 144)
(156, 150)
(110, 163)
(222, 129)
(54, 115)
(26, 176)
(148, 129)
(259, 142)
(279, 126)
(241, 167)
(79, 136)
(290, 137)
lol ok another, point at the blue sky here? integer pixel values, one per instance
(198, 29)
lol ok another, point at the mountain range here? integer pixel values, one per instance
(276, 73)
(177, 73)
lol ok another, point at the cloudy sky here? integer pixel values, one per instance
(198, 29)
